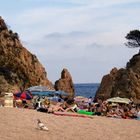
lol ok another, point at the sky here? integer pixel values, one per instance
(85, 36)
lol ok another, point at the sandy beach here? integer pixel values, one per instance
(21, 124)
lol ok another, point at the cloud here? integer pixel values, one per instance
(86, 18)
(70, 50)
(85, 36)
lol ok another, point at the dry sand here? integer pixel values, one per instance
(21, 124)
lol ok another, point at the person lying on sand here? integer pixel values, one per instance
(73, 108)
(58, 107)
(54, 108)
(114, 113)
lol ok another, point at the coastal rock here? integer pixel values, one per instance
(2, 24)
(107, 84)
(19, 69)
(65, 83)
(124, 82)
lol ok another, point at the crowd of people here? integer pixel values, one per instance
(98, 107)
(90, 106)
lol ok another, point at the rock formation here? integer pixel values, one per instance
(19, 69)
(65, 83)
(124, 82)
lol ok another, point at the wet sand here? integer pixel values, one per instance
(21, 124)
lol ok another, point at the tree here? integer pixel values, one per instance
(133, 38)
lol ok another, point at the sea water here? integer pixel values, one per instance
(86, 90)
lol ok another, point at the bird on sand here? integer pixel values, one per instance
(41, 126)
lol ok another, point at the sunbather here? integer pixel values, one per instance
(52, 108)
(72, 108)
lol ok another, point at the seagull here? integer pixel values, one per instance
(41, 126)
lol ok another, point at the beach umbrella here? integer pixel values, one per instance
(43, 93)
(23, 95)
(61, 92)
(38, 89)
(119, 100)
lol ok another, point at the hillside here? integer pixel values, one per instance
(19, 69)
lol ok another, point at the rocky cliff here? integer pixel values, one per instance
(124, 82)
(65, 83)
(19, 69)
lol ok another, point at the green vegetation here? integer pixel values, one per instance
(133, 38)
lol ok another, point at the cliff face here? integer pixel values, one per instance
(122, 82)
(65, 83)
(19, 69)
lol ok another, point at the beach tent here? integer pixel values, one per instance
(23, 95)
(119, 100)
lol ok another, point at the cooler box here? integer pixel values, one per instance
(8, 102)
